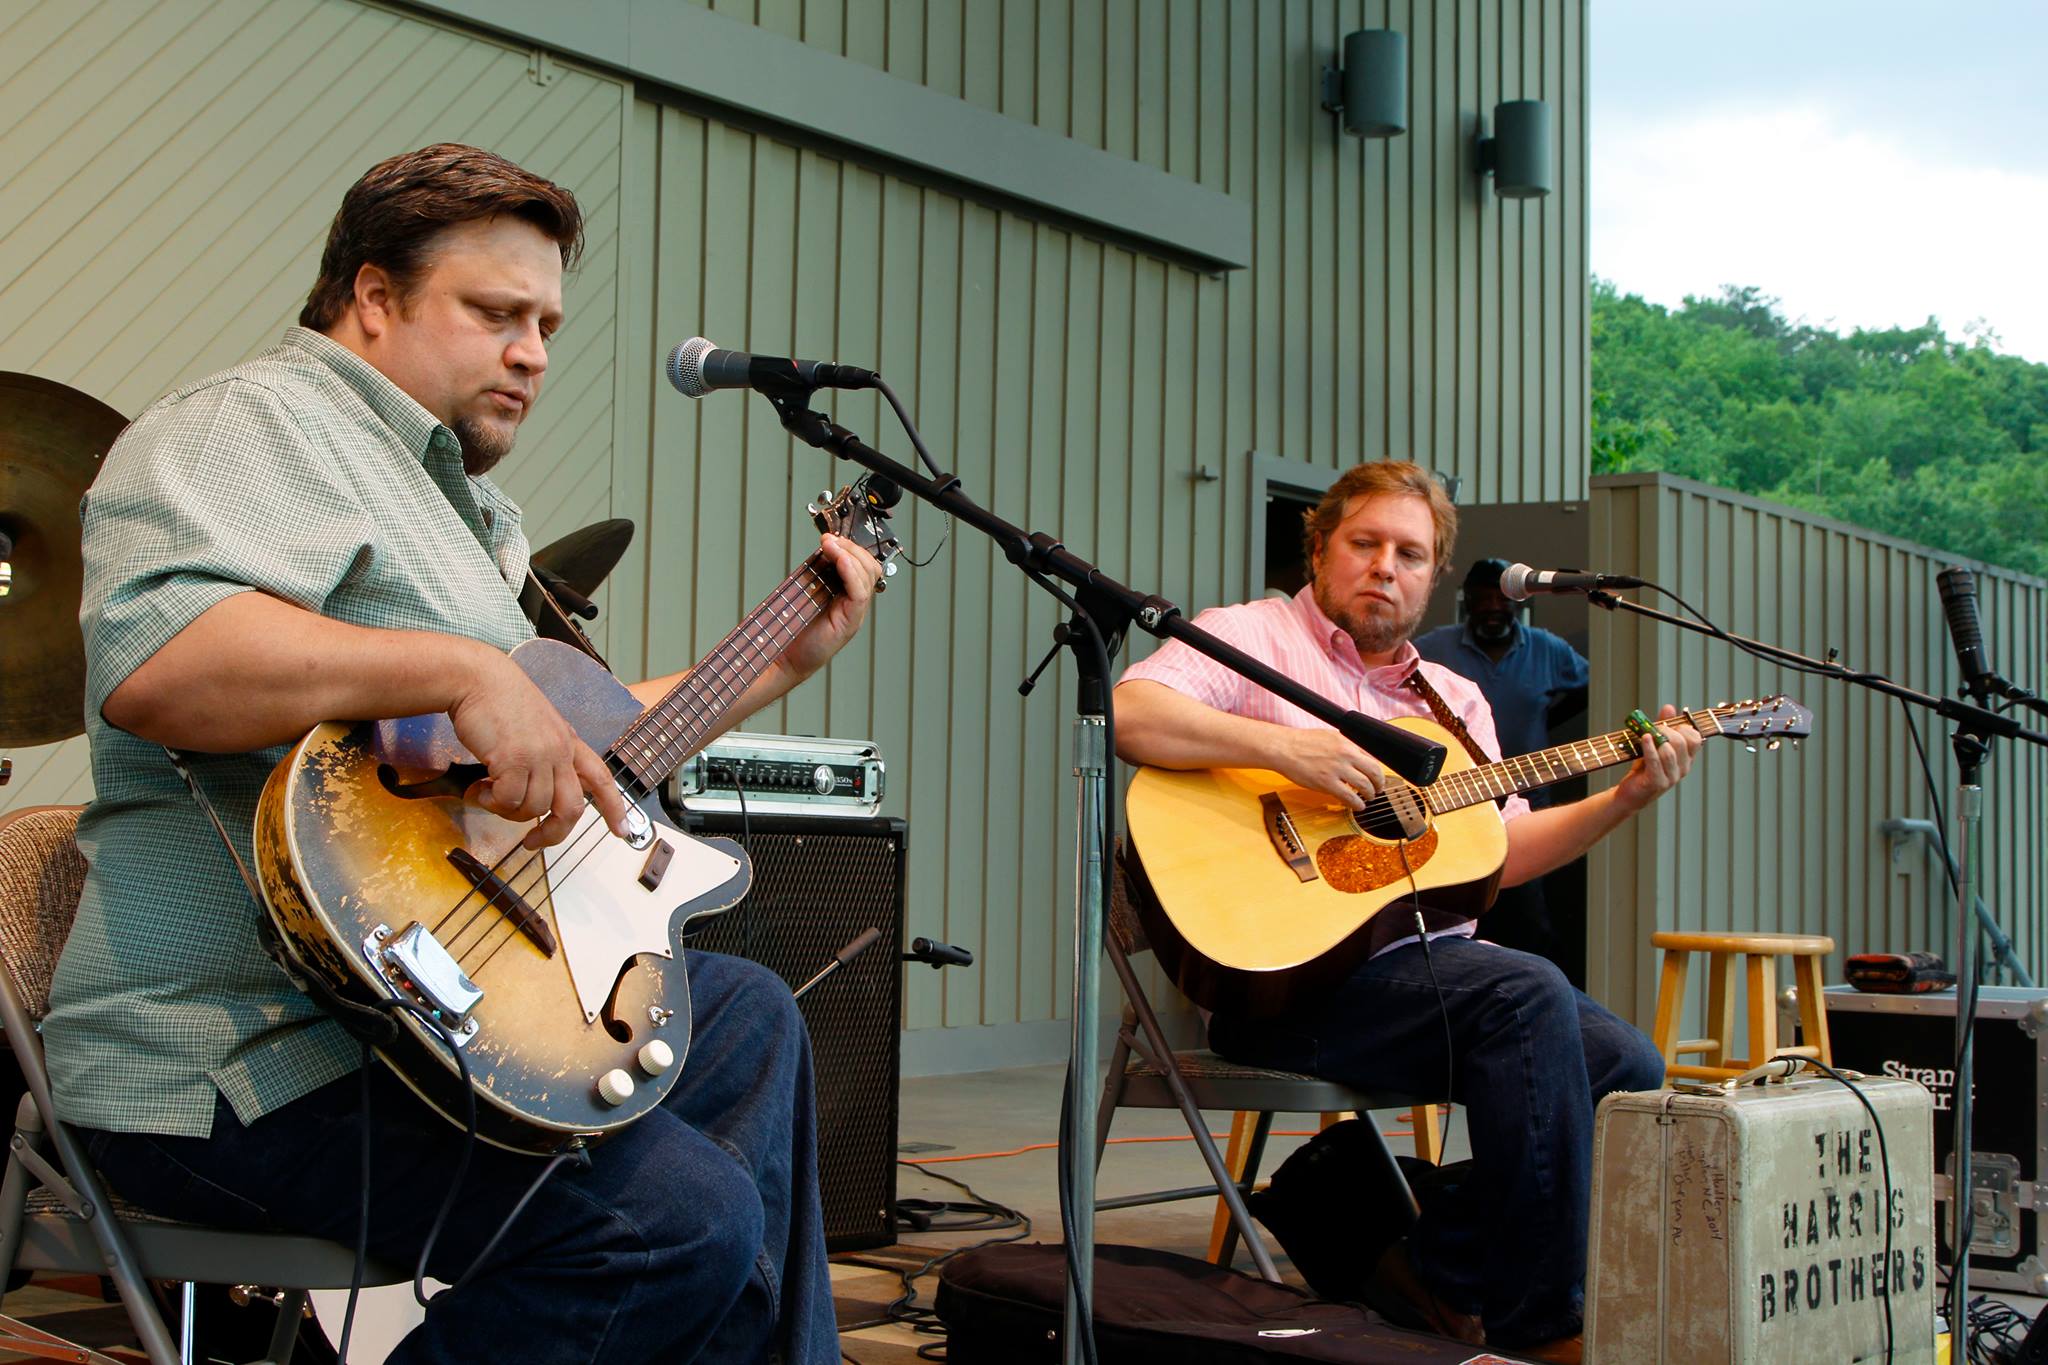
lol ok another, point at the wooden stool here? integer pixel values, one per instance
(1763, 951)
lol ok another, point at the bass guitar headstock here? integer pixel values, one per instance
(860, 513)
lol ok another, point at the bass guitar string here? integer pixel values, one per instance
(789, 622)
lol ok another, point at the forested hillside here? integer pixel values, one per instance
(1905, 431)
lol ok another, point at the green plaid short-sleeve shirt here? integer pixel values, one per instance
(306, 474)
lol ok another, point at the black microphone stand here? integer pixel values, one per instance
(1976, 727)
(1101, 610)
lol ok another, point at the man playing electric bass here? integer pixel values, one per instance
(307, 537)
(1529, 1056)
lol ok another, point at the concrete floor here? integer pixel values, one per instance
(1000, 1111)
(1003, 1111)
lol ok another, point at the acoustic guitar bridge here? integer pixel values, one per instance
(1286, 838)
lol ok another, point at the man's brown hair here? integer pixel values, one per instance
(1372, 479)
(390, 218)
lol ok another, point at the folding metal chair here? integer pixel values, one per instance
(1146, 1072)
(55, 1212)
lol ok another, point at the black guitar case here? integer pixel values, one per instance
(1005, 1305)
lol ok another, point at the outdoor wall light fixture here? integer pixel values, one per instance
(1517, 156)
(1369, 95)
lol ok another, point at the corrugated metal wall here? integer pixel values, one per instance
(1395, 306)
(1790, 840)
(167, 175)
(168, 181)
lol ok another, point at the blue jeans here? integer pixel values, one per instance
(695, 1234)
(1530, 1057)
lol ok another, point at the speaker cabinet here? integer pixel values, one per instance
(819, 881)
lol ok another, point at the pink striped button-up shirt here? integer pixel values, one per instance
(1293, 635)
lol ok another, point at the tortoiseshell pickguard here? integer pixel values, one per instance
(1354, 863)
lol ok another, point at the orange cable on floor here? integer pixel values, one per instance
(1113, 1142)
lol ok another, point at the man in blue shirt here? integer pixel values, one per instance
(1533, 679)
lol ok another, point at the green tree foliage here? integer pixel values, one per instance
(1902, 430)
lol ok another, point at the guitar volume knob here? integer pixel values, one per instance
(656, 1057)
(615, 1087)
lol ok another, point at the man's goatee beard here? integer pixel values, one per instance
(482, 447)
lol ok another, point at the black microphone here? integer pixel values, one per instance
(1520, 582)
(938, 954)
(697, 367)
(1959, 602)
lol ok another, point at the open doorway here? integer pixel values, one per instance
(1548, 535)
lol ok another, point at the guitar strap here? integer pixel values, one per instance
(1445, 716)
(562, 625)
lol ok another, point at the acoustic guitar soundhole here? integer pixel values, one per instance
(1354, 863)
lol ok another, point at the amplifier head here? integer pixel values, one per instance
(780, 775)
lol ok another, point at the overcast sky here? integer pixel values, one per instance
(1869, 163)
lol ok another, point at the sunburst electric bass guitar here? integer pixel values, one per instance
(554, 972)
(1256, 893)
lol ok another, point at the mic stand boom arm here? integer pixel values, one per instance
(1976, 727)
(1115, 605)
(1972, 719)
(1102, 610)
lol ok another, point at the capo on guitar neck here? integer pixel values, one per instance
(1642, 727)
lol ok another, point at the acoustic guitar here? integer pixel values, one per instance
(1258, 894)
(555, 972)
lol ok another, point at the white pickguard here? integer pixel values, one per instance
(603, 915)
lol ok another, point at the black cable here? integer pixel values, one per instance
(1443, 1008)
(1884, 1158)
(1997, 1331)
(579, 1155)
(904, 1310)
(469, 1128)
(357, 1274)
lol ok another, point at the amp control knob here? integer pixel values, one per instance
(821, 780)
(656, 1057)
(615, 1087)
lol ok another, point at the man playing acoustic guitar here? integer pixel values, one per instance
(310, 537)
(1529, 1056)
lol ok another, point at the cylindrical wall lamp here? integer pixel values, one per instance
(1370, 94)
(1517, 156)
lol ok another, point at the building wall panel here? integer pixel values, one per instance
(1791, 841)
(166, 182)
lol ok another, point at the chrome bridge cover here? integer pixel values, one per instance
(417, 964)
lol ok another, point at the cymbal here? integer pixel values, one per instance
(583, 558)
(51, 441)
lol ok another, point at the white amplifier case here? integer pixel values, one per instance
(1743, 1227)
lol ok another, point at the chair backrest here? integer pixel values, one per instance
(1125, 929)
(41, 873)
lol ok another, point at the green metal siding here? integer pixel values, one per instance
(1394, 305)
(1076, 381)
(1789, 841)
(167, 183)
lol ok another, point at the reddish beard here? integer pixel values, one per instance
(1374, 632)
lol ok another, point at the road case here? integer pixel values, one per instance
(1913, 1036)
(1747, 1227)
